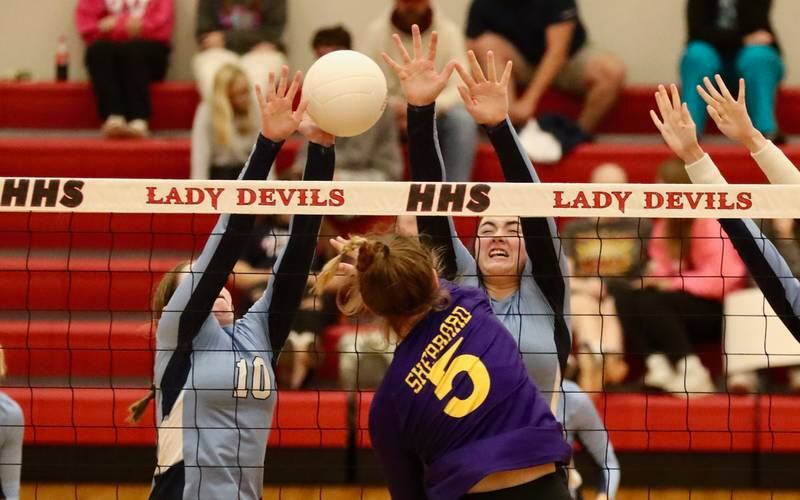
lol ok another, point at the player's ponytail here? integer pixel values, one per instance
(163, 292)
(136, 410)
(393, 277)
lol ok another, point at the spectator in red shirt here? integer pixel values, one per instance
(128, 45)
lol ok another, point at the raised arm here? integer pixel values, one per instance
(731, 116)
(486, 98)
(191, 303)
(275, 311)
(421, 85)
(768, 268)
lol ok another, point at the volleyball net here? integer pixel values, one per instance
(677, 349)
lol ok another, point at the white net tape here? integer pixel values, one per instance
(396, 198)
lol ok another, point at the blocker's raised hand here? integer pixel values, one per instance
(419, 79)
(677, 128)
(730, 114)
(278, 121)
(486, 99)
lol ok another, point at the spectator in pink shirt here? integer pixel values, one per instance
(128, 45)
(692, 266)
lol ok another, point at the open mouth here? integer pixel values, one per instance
(497, 253)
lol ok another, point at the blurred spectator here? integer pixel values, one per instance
(457, 130)
(247, 32)
(735, 39)
(692, 266)
(225, 127)
(604, 254)
(372, 156)
(548, 45)
(252, 273)
(128, 45)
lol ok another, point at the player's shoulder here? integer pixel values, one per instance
(10, 410)
(465, 295)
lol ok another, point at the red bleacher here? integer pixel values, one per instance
(96, 417)
(75, 287)
(71, 106)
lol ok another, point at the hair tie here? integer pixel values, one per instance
(365, 258)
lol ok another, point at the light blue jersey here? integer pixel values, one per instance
(12, 430)
(580, 420)
(215, 386)
(535, 314)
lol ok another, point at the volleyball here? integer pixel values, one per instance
(346, 92)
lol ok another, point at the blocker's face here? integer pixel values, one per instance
(223, 304)
(239, 94)
(499, 247)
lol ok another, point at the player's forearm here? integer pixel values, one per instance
(775, 164)
(426, 165)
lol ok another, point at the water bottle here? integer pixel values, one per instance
(62, 60)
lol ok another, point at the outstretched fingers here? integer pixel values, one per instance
(712, 91)
(262, 102)
(491, 70)
(475, 68)
(296, 81)
(416, 41)
(656, 121)
(724, 89)
(506, 74)
(466, 97)
(401, 48)
(465, 76)
(300, 112)
(391, 62)
(742, 97)
(284, 81)
(432, 45)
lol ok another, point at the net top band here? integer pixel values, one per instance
(19, 194)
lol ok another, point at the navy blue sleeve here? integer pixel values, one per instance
(426, 164)
(190, 305)
(769, 270)
(546, 259)
(275, 311)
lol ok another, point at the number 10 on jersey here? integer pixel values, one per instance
(261, 382)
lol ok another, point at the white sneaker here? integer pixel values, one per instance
(659, 372)
(114, 126)
(691, 378)
(138, 129)
(743, 382)
(541, 146)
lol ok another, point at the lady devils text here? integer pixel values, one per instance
(668, 200)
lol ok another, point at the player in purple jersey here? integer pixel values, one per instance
(518, 261)
(456, 415)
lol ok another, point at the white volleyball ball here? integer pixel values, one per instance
(346, 92)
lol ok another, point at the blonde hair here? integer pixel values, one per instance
(394, 277)
(163, 292)
(225, 122)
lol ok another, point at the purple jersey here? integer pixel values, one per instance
(456, 405)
